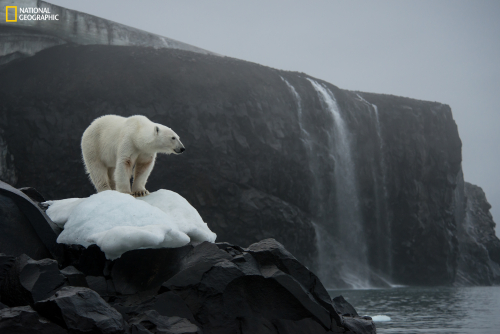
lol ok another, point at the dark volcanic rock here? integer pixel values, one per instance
(17, 236)
(38, 233)
(33, 194)
(343, 307)
(24, 320)
(153, 322)
(351, 320)
(218, 288)
(90, 261)
(226, 290)
(166, 304)
(202, 287)
(29, 281)
(151, 268)
(74, 276)
(81, 310)
(6, 262)
(479, 247)
(360, 325)
(104, 287)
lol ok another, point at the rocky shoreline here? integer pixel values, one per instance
(198, 288)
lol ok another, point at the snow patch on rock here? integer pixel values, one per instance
(118, 222)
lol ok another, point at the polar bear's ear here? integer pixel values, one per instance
(157, 129)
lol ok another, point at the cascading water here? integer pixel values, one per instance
(296, 96)
(340, 237)
(383, 258)
(341, 244)
(313, 160)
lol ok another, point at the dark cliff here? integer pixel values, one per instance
(361, 187)
(479, 247)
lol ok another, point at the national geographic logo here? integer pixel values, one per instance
(29, 14)
(12, 8)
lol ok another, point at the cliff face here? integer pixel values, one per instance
(479, 248)
(361, 187)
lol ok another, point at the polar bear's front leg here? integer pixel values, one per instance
(123, 172)
(141, 174)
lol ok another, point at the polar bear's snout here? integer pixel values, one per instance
(179, 147)
(180, 150)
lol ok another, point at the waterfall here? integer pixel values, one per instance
(313, 160)
(341, 242)
(384, 257)
(298, 100)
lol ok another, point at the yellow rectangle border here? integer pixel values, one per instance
(7, 14)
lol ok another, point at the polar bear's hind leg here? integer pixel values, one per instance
(99, 175)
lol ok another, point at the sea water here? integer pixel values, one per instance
(429, 310)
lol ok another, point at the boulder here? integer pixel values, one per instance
(166, 304)
(29, 281)
(360, 325)
(81, 310)
(90, 261)
(270, 252)
(41, 236)
(17, 235)
(74, 276)
(6, 262)
(104, 287)
(151, 268)
(153, 322)
(228, 287)
(24, 320)
(343, 307)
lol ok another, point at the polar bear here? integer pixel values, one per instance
(114, 147)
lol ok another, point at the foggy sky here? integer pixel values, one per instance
(446, 51)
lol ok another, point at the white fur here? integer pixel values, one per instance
(114, 147)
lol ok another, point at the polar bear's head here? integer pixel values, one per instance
(166, 140)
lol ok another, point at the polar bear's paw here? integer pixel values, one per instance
(140, 193)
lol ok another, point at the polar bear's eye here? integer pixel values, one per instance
(157, 129)
(173, 138)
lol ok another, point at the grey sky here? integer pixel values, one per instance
(446, 51)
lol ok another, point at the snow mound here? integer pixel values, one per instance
(118, 222)
(381, 318)
(59, 211)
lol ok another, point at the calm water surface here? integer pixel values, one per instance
(474, 310)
